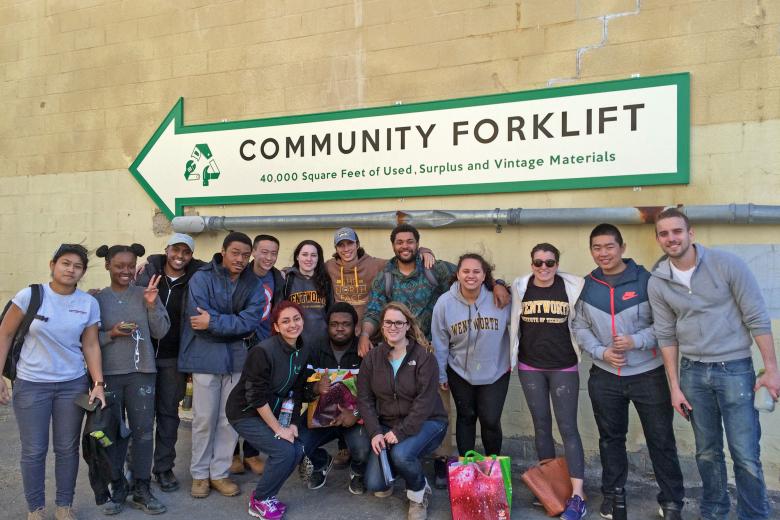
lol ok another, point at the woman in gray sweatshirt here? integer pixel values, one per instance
(130, 317)
(471, 341)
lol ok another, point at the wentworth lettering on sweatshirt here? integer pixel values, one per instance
(478, 323)
(471, 338)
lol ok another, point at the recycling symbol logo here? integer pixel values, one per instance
(201, 165)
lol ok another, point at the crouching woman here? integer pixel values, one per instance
(273, 369)
(399, 401)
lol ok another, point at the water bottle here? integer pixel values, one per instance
(187, 402)
(763, 401)
(285, 415)
(387, 470)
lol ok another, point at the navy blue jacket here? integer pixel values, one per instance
(623, 309)
(235, 309)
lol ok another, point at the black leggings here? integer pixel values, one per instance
(483, 402)
(563, 388)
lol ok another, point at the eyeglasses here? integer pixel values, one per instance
(389, 324)
(548, 263)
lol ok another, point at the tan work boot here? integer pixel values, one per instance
(38, 514)
(237, 467)
(419, 510)
(64, 513)
(225, 487)
(256, 464)
(200, 488)
(341, 459)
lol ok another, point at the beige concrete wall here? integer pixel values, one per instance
(84, 83)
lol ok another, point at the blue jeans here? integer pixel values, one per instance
(283, 456)
(721, 395)
(356, 438)
(405, 457)
(37, 406)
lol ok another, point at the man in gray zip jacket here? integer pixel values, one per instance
(706, 305)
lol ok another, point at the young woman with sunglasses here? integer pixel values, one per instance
(130, 317)
(399, 401)
(547, 358)
(50, 375)
(471, 342)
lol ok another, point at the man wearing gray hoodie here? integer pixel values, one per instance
(706, 306)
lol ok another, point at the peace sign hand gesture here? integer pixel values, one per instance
(150, 293)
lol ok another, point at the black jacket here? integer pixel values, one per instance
(323, 357)
(172, 295)
(272, 369)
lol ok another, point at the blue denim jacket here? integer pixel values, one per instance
(235, 309)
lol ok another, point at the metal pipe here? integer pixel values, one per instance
(709, 214)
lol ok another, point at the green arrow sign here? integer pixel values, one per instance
(617, 133)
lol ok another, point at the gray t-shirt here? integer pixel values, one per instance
(52, 348)
(119, 354)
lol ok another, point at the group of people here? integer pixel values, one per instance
(417, 332)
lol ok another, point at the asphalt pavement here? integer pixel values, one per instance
(332, 502)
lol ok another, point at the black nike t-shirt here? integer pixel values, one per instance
(545, 341)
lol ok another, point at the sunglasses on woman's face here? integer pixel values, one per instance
(548, 263)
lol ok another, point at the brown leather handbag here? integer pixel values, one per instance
(549, 481)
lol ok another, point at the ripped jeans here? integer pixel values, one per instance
(135, 394)
(721, 395)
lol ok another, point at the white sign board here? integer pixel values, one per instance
(619, 133)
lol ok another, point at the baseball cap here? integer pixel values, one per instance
(181, 238)
(345, 233)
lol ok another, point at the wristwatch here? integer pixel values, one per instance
(99, 383)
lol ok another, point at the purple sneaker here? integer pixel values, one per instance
(264, 509)
(575, 509)
(281, 506)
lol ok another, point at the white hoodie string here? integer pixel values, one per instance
(136, 335)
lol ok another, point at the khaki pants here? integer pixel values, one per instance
(213, 439)
(445, 450)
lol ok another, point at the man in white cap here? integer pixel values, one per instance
(177, 265)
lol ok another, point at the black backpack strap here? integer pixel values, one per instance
(431, 277)
(389, 285)
(36, 299)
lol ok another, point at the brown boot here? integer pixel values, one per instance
(225, 487)
(341, 459)
(237, 467)
(38, 514)
(256, 464)
(200, 488)
(64, 513)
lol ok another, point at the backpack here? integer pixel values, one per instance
(389, 282)
(36, 299)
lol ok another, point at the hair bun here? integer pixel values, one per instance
(101, 251)
(138, 249)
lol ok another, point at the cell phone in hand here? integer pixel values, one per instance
(687, 412)
(128, 326)
(83, 401)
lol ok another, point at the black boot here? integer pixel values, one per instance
(144, 500)
(167, 481)
(440, 472)
(619, 505)
(671, 511)
(607, 503)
